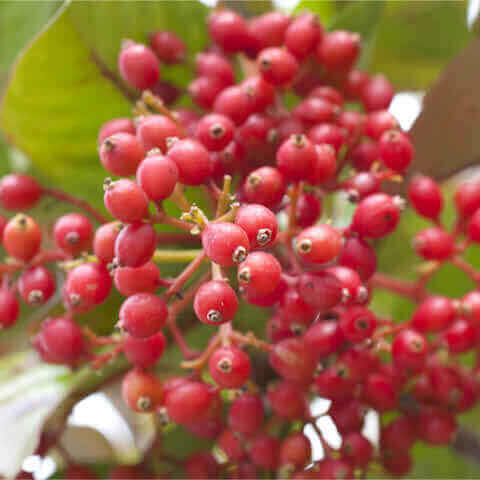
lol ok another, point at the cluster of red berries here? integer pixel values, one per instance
(322, 339)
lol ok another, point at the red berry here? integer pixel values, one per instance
(215, 131)
(188, 403)
(353, 291)
(379, 122)
(138, 66)
(409, 350)
(434, 314)
(334, 382)
(324, 338)
(142, 315)
(215, 302)
(22, 237)
(229, 367)
(474, 227)
(328, 133)
(216, 66)
(460, 336)
(73, 233)
(302, 35)
(3, 224)
(201, 465)
(362, 185)
(126, 201)
(377, 93)
(144, 279)
(232, 445)
(266, 186)
(121, 153)
(225, 243)
(434, 244)
(295, 450)
(380, 392)
(257, 135)
(357, 449)
(339, 50)
(364, 155)
(277, 66)
(236, 103)
(319, 244)
(399, 434)
(259, 273)
(314, 110)
(296, 157)
(144, 352)
(425, 196)
(268, 30)
(396, 150)
(36, 285)
(264, 450)
(259, 223)
(154, 130)
(204, 90)
(436, 426)
(135, 245)
(142, 391)
(193, 161)
(358, 324)
(229, 30)
(18, 192)
(287, 400)
(116, 125)
(246, 414)
(347, 415)
(294, 311)
(467, 198)
(334, 468)
(9, 308)
(354, 83)
(157, 175)
(471, 307)
(324, 165)
(397, 462)
(308, 209)
(168, 47)
(358, 255)
(104, 241)
(322, 290)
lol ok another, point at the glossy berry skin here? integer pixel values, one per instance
(324, 165)
(168, 47)
(126, 201)
(362, 185)
(314, 110)
(215, 131)
(225, 243)
(264, 450)
(434, 244)
(86, 286)
(260, 93)
(467, 198)
(63, 339)
(436, 426)
(19, 192)
(9, 307)
(142, 391)
(246, 414)
(321, 291)
(396, 150)
(229, 30)
(334, 468)
(259, 223)
(22, 237)
(259, 273)
(295, 158)
(157, 175)
(473, 231)
(265, 186)
(201, 465)
(380, 392)
(188, 403)
(409, 350)
(292, 360)
(354, 83)
(154, 130)
(364, 155)
(277, 66)
(236, 103)
(425, 196)
(36, 285)
(399, 434)
(357, 324)
(116, 125)
(215, 302)
(324, 338)
(376, 216)
(339, 50)
(295, 450)
(142, 315)
(135, 245)
(287, 400)
(308, 209)
(460, 336)
(121, 154)
(144, 353)
(434, 314)
(359, 256)
(138, 66)
(357, 449)
(73, 233)
(144, 279)
(214, 65)
(193, 161)
(328, 133)
(268, 30)
(104, 241)
(204, 90)
(229, 367)
(380, 122)
(377, 93)
(318, 244)
(302, 35)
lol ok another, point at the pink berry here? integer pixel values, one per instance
(143, 279)
(121, 153)
(215, 302)
(126, 201)
(193, 161)
(18, 192)
(138, 66)
(73, 233)
(168, 47)
(157, 175)
(135, 245)
(116, 125)
(154, 130)
(277, 66)
(215, 131)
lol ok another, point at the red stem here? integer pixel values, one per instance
(191, 268)
(401, 287)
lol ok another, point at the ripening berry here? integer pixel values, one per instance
(378, 123)
(380, 392)
(287, 400)
(228, 30)
(144, 352)
(357, 324)
(324, 165)
(144, 279)
(434, 244)
(328, 133)
(268, 30)
(22, 237)
(236, 103)
(295, 157)
(302, 35)
(377, 93)
(157, 175)
(359, 256)
(434, 314)
(335, 382)
(121, 153)
(229, 367)
(214, 65)
(9, 307)
(142, 391)
(376, 216)
(259, 223)
(126, 201)
(436, 426)
(154, 130)
(18, 192)
(266, 186)
(116, 125)
(73, 233)
(232, 445)
(260, 93)
(104, 241)
(193, 161)
(264, 450)
(353, 290)
(36, 285)
(400, 434)
(362, 185)
(295, 451)
(409, 350)
(460, 336)
(277, 66)
(354, 83)
(396, 150)
(334, 468)
(357, 449)
(320, 290)
(339, 50)
(473, 231)
(138, 66)
(168, 47)
(364, 155)
(307, 210)
(324, 338)
(86, 286)
(314, 110)
(201, 465)
(425, 196)
(467, 198)
(188, 403)
(142, 315)
(215, 302)
(215, 131)
(225, 243)
(318, 244)
(246, 414)
(260, 273)
(135, 245)
(63, 340)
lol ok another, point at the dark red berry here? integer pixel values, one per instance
(144, 352)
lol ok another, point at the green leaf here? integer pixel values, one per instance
(325, 10)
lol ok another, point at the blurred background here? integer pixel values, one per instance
(56, 62)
